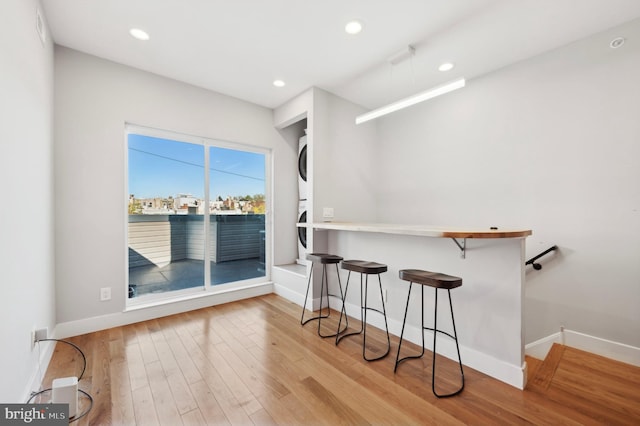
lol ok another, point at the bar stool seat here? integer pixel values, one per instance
(365, 268)
(324, 259)
(432, 279)
(438, 281)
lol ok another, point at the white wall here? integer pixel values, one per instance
(339, 166)
(550, 144)
(340, 154)
(344, 172)
(94, 99)
(26, 173)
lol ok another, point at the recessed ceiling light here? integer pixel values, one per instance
(139, 34)
(445, 67)
(278, 83)
(353, 27)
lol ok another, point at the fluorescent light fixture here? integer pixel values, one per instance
(139, 34)
(411, 100)
(353, 27)
(278, 83)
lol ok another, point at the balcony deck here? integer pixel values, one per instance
(189, 273)
(166, 252)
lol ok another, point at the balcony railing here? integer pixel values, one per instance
(157, 241)
(160, 239)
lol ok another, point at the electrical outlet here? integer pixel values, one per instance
(105, 294)
(327, 213)
(39, 334)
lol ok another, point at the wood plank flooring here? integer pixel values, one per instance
(250, 362)
(607, 391)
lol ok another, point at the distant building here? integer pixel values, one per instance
(216, 206)
(185, 203)
(188, 204)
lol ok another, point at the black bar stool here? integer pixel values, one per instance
(437, 281)
(364, 268)
(324, 259)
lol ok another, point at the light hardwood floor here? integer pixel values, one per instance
(250, 362)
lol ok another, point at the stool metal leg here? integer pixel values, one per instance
(324, 290)
(342, 334)
(406, 310)
(455, 338)
(435, 333)
(304, 307)
(384, 313)
(342, 310)
(364, 282)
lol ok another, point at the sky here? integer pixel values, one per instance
(161, 168)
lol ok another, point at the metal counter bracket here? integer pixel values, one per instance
(462, 247)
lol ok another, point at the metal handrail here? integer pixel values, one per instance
(532, 261)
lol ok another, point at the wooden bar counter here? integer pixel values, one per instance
(420, 230)
(489, 305)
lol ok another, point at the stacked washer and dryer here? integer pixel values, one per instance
(302, 199)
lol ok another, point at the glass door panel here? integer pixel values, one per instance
(237, 215)
(166, 215)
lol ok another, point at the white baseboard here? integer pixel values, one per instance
(288, 294)
(45, 351)
(90, 325)
(298, 298)
(540, 348)
(596, 345)
(290, 282)
(603, 347)
(514, 375)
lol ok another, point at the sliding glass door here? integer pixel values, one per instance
(237, 214)
(191, 199)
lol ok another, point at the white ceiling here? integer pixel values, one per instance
(238, 47)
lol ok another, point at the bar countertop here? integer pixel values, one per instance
(420, 230)
(492, 298)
